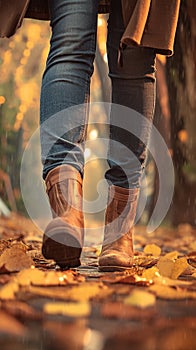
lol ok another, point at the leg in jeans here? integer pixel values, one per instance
(65, 85)
(66, 82)
(133, 86)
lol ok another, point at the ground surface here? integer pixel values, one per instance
(152, 306)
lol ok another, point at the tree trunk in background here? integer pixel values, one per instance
(181, 72)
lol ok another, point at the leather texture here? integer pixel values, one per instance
(117, 250)
(63, 237)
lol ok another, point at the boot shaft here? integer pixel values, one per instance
(120, 212)
(64, 189)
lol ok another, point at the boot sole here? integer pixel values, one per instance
(113, 268)
(67, 264)
(65, 256)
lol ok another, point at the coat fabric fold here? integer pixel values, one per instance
(148, 23)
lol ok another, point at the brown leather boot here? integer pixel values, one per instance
(117, 250)
(63, 237)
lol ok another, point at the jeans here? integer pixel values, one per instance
(66, 83)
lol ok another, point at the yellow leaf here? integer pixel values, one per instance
(166, 281)
(192, 246)
(81, 309)
(140, 299)
(151, 273)
(8, 291)
(165, 266)
(152, 249)
(37, 277)
(80, 292)
(180, 266)
(28, 276)
(172, 268)
(98, 250)
(171, 256)
(165, 292)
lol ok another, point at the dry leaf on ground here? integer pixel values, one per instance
(81, 292)
(152, 249)
(29, 276)
(154, 276)
(145, 261)
(172, 268)
(5, 278)
(8, 291)
(15, 259)
(4, 244)
(9, 325)
(180, 266)
(141, 299)
(122, 311)
(192, 259)
(81, 309)
(169, 293)
(37, 277)
(171, 255)
(126, 278)
(150, 273)
(21, 310)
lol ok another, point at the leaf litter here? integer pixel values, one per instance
(163, 270)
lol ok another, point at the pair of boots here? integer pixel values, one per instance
(63, 237)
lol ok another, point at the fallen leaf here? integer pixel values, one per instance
(136, 280)
(169, 293)
(172, 268)
(192, 246)
(127, 277)
(37, 277)
(171, 255)
(15, 259)
(28, 276)
(180, 266)
(192, 259)
(5, 278)
(4, 244)
(152, 249)
(115, 277)
(80, 292)
(8, 291)
(154, 276)
(9, 325)
(121, 311)
(20, 246)
(145, 261)
(81, 309)
(61, 278)
(21, 310)
(150, 273)
(140, 299)
(165, 266)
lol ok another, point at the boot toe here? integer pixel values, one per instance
(115, 261)
(61, 243)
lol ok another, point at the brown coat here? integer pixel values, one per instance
(150, 23)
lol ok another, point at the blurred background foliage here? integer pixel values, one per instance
(22, 61)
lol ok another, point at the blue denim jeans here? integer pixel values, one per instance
(66, 83)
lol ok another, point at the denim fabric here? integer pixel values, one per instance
(66, 83)
(133, 86)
